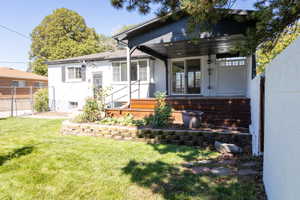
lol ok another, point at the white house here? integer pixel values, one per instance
(73, 80)
(161, 55)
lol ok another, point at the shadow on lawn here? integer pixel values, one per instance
(174, 183)
(185, 152)
(16, 154)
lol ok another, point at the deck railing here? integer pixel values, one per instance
(111, 98)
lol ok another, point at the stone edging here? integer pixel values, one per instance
(169, 136)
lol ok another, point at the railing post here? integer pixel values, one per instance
(139, 88)
(129, 73)
(112, 100)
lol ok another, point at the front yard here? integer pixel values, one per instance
(36, 162)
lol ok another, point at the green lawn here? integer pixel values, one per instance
(36, 162)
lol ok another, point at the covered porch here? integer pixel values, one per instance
(200, 70)
(195, 63)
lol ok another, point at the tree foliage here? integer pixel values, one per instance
(124, 28)
(60, 35)
(264, 57)
(41, 100)
(274, 17)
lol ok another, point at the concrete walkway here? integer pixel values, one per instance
(49, 115)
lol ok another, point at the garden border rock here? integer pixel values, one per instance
(157, 136)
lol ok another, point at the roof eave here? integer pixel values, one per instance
(123, 35)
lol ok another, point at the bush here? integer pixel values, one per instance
(162, 112)
(127, 120)
(91, 111)
(41, 100)
(81, 118)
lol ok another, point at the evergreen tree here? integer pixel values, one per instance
(275, 18)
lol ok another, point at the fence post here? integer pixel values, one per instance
(15, 100)
(12, 102)
(31, 100)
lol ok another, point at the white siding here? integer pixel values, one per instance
(77, 91)
(282, 129)
(254, 94)
(159, 75)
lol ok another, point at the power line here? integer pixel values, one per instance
(13, 62)
(11, 30)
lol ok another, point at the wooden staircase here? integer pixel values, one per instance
(219, 112)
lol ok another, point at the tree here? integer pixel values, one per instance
(274, 17)
(124, 28)
(265, 57)
(63, 34)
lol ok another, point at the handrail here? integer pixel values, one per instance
(123, 88)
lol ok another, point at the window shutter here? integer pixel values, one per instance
(83, 72)
(63, 74)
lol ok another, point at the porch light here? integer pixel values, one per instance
(209, 61)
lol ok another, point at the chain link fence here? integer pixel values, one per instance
(17, 101)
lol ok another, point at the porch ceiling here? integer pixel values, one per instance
(190, 48)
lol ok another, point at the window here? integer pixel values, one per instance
(74, 73)
(123, 71)
(231, 61)
(143, 70)
(134, 70)
(116, 72)
(139, 71)
(18, 83)
(73, 104)
(186, 76)
(39, 84)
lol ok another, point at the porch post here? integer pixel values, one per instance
(129, 72)
(167, 77)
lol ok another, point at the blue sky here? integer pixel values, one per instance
(24, 15)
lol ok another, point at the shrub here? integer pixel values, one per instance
(127, 120)
(81, 118)
(41, 100)
(91, 110)
(162, 112)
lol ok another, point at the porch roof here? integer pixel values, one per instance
(168, 37)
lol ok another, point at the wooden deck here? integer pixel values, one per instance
(220, 112)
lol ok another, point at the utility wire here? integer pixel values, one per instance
(11, 30)
(13, 62)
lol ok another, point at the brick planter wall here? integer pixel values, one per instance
(164, 136)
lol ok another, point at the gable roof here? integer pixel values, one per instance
(6, 72)
(153, 23)
(108, 55)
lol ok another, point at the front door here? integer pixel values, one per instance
(97, 82)
(186, 77)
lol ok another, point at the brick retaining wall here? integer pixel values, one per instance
(167, 136)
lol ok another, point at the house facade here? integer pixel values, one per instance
(197, 70)
(162, 57)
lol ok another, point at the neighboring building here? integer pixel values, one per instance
(17, 89)
(282, 132)
(10, 78)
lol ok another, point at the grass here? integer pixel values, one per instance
(36, 162)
